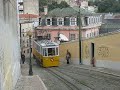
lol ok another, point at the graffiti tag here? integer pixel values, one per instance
(86, 51)
(103, 51)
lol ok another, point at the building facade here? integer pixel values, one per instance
(29, 6)
(103, 48)
(29, 19)
(27, 23)
(9, 45)
(111, 23)
(66, 22)
(20, 6)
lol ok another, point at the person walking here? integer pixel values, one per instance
(23, 58)
(68, 56)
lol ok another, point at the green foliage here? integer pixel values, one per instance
(105, 6)
(90, 3)
(63, 4)
(54, 5)
(51, 5)
(41, 4)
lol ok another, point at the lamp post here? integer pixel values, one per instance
(29, 33)
(79, 17)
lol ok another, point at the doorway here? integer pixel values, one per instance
(93, 54)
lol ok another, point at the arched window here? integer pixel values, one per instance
(49, 21)
(72, 21)
(60, 21)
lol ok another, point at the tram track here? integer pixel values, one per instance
(77, 76)
(69, 85)
(93, 71)
(71, 82)
(110, 79)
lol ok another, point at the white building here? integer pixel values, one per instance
(20, 6)
(29, 6)
(27, 23)
(83, 4)
(29, 19)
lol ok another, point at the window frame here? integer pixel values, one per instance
(73, 22)
(71, 37)
(59, 21)
(47, 21)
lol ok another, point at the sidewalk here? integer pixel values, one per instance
(27, 82)
(100, 69)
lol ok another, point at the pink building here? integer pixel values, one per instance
(64, 24)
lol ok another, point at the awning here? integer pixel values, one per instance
(63, 37)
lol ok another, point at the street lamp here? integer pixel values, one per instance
(79, 17)
(29, 33)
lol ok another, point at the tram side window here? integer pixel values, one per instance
(44, 52)
(51, 51)
(57, 51)
(41, 51)
(38, 48)
(34, 45)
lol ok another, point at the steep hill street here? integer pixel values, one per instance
(75, 77)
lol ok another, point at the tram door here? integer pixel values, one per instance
(93, 54)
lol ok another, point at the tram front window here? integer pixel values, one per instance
(51, 51)
(44, 51)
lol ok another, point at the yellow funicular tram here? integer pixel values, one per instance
(46, 53)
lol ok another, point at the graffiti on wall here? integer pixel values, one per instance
(103, 51)
(86, 51)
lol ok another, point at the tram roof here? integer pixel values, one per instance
(45, 43)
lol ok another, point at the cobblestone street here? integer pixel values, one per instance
(27, 82)
(79, 77)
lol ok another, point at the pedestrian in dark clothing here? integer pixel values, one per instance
(68, 56)
(93, 62)
(23, 58)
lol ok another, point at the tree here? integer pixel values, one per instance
(63, 4)
(105, 6)
(54, 5)
(41, 4)
(90, 3)
(51, 5)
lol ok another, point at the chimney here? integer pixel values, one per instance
(45, 10)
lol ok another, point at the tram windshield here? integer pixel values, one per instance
(51, 51)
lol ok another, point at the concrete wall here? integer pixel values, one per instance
(106, 48)
(106, 51)
(9, 45)
(73, 49)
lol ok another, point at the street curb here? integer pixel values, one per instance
(105, 72)
(45, 88)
